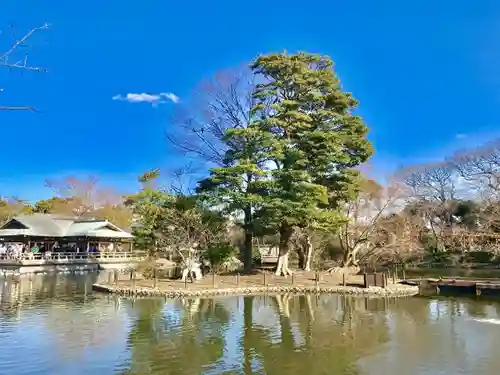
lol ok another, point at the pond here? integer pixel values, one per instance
(56, 325)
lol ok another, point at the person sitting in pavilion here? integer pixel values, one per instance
(35, 249)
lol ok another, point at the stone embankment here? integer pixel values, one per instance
(393, 290)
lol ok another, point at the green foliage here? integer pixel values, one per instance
(431, 244)
(480, 257)
(307, 130)
(256, 256)
(435, 252)
(51, 205)
(233, 187)
(293, 165)
(218, 253)
(150, 175)
(171, 221)
(468, 213)
(149, 206)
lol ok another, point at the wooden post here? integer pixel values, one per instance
(116, 277)
(343, 279)
(316, 279)
(238, 278)
(265, 281)
(396, 271)
(110, 275)
(133, 281)
(186, 282)
(154, 278)
(131, 275)
(213, 280)
(394, 277)
(404, 274)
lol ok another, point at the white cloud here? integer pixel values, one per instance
(154, 99)
(170, 96)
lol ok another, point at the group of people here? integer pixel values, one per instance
(11, 250)
(15, 251)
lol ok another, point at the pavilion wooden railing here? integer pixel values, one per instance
(60, 256)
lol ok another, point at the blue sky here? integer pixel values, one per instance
(426, 74)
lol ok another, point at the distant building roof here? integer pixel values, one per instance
(48, 225)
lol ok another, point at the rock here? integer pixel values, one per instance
(399, 291)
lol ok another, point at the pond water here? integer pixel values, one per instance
(55, 325)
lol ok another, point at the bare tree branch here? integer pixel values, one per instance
(9, 59)
(480, 166)
(26, 108)
(368, 229)
(222, 103)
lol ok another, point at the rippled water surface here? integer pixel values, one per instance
(55, 325)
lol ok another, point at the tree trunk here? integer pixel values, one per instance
(347, 261)
(248, 250)
(247, 255)
(247, 334)
(286, 231)
(302, 257)
(350, 255)
(308, 247)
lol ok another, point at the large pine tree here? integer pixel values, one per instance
(293, 165)
(311, 142)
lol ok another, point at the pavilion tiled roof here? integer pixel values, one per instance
(49, 225)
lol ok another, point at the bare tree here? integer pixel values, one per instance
(431, 182)
(15, 57)
(224, 102)
(199, 131)
(480, 167)
(83, 197)
(433, 193)
(10, 207)
(184, 232)
(365, 232)
(181, 179)
(397, 238)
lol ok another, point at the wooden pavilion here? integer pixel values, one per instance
(56, 233)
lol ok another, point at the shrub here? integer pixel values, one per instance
(483, 256)
(219, 253)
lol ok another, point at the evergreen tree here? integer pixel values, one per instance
(233, 186)
(310, 143)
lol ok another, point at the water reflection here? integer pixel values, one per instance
(187, 335)
(62, 327)
(50, 322)
(449, 336)
(249, 335)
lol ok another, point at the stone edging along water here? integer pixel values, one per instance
(400, 290)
